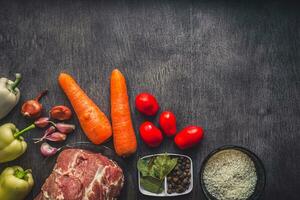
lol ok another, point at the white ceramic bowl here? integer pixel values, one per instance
(165, 193)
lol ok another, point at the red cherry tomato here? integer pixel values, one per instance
(167, 122)
(189, 137)
(147, 104)
(150, 134)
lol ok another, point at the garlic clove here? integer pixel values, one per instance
(47, 150)
(65, 128)
(56, 137)
(42, 122)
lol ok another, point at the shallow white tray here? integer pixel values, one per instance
(165, 193)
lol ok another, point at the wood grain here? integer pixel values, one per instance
(232, 68)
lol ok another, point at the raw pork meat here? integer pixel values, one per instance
(83, 175)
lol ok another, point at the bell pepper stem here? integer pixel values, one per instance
(15, 84)
(21, 173)
(32, 126)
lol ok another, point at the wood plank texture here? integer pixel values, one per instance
(232, 68)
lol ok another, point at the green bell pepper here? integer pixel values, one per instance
(12, 144)
(15, 183)
(9, 95)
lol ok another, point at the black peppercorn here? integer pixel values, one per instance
(179, 179)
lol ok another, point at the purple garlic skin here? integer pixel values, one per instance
(56, 137)
(65, 128)
(47, 150)
(42, 122)
(49, 131)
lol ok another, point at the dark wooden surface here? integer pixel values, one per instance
(232, 68)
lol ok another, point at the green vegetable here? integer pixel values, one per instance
(15, 183)
(12, 144)
(152, 184)
(154, 170)
(9, 95)
(143, 167)
(162, 166)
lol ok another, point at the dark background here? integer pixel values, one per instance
(230, 67)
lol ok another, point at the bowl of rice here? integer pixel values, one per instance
(232, 173)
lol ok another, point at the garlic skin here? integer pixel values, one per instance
(56, 137)
(42, 122)
(47, 132)
(65, 128)
(47, 150)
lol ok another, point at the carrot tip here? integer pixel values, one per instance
(116, 72)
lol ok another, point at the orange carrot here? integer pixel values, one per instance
(92, 120)
(123, 133)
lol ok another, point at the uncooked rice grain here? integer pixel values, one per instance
(230, 175)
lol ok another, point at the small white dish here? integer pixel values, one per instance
(165, 193)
